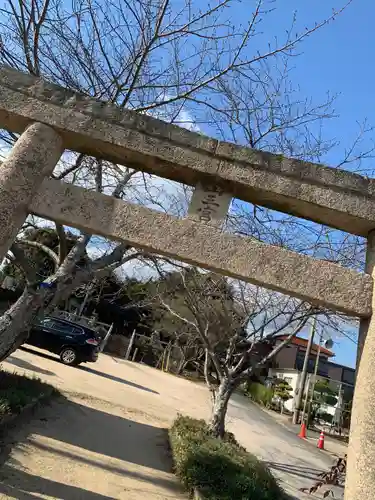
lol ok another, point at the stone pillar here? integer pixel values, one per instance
(360, 479)
(33, 157)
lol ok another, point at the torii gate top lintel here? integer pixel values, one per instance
(326, 195)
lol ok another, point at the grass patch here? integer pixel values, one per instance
(260, 394)
(219, 469)
(18, 391)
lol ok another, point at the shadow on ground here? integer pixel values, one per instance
(40, 354)
(20, 484)
(117, 379)
(25, 365)
(29, 366)
(306, 473)
(295, 470)
(92, 435)
(104, 433)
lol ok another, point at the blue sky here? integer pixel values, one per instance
(336, 59)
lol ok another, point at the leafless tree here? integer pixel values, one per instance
(236, 330)
(173, 60)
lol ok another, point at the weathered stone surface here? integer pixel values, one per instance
(34, 156)
(209, 205)
(331, 196)
(319, 282)
(361, 452)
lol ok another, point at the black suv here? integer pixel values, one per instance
(74, 343)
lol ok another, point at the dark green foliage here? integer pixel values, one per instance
(220, 469)
(282, 390)
(125, 303)
(323, 395)
(17, 391)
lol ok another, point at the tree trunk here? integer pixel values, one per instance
(183, 362)
(180, 367)
(15, 322)
(220, 407)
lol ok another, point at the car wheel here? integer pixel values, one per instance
(68, 356)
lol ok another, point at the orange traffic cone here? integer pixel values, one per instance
(302, 433)
(321, 441)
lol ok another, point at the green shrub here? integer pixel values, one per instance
(17, 391)
(220, 469)
(260, 393)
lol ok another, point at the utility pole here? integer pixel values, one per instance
(301, 388)
(304, 414)
(312, 380)
(307, 392)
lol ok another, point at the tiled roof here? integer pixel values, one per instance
(303, 343)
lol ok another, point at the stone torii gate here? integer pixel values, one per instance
(51, 119)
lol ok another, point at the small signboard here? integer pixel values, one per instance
(209, 205)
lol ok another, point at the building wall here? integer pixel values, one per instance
(286, 358)
(348, 375)
(293, 379)
(292, 357)
(335, 372)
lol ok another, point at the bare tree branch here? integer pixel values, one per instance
(36, 244)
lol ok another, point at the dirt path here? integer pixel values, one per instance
(108, 445)
(89, 449)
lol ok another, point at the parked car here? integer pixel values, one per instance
(74, 343)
